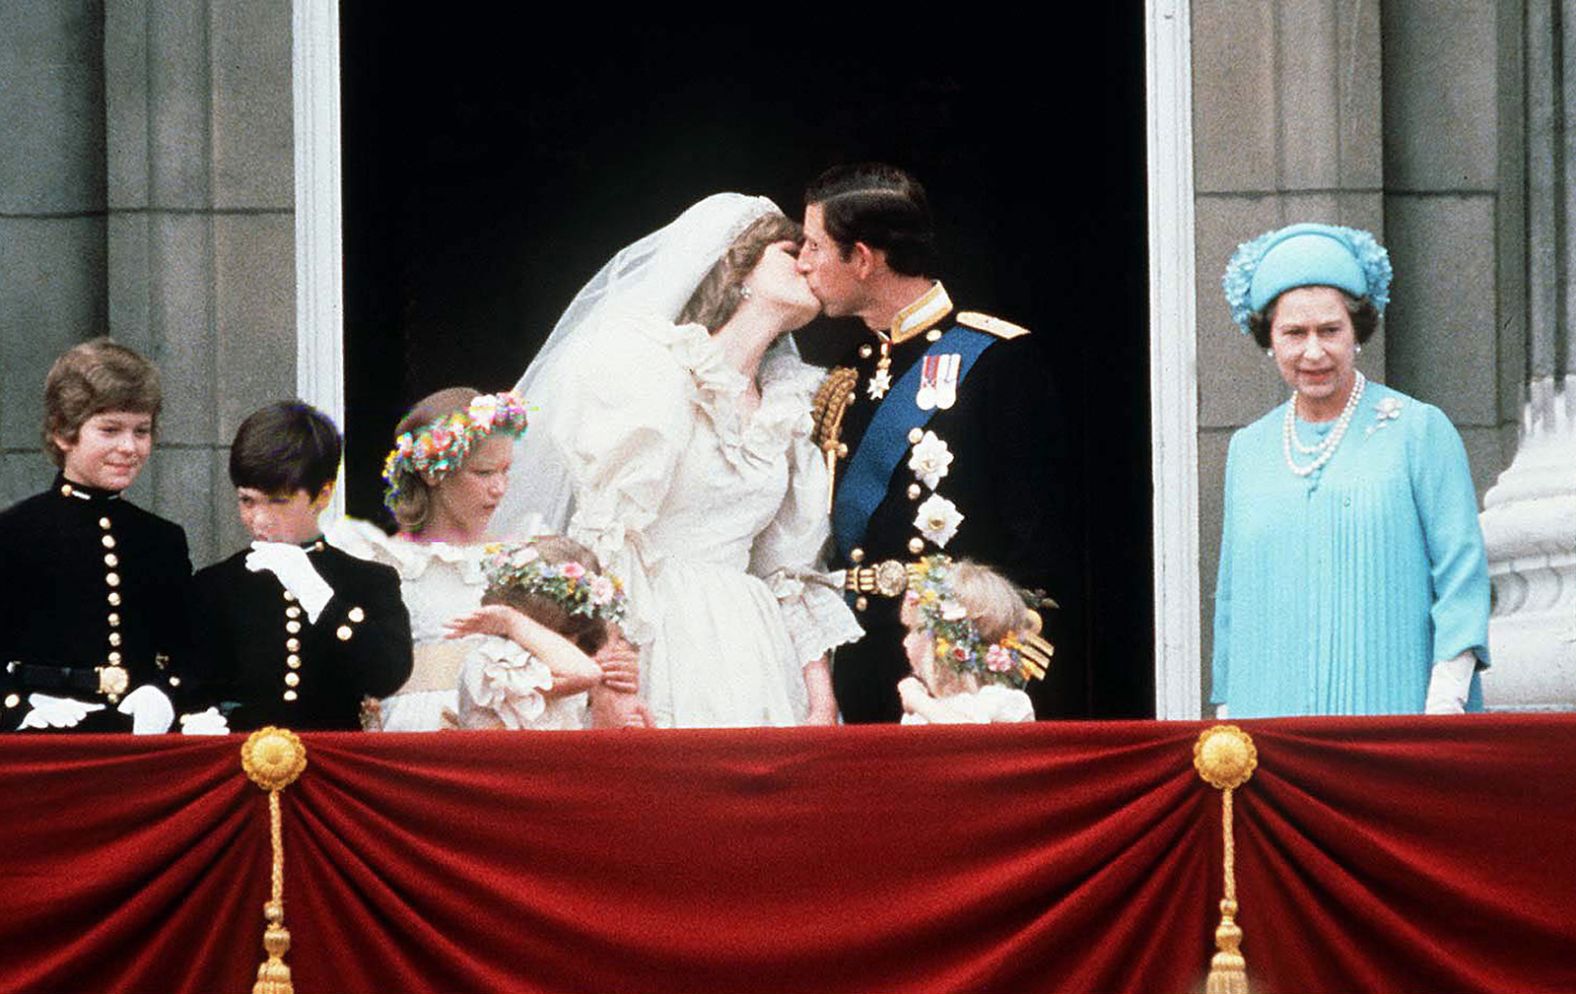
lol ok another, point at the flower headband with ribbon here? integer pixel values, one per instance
(437, 449)
(1020, 655)
(1305, 254)
(520, 566)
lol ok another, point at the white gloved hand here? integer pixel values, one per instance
(56, 712)
(151, 711)
(294, 569)
(209, 722)
(1449, 685)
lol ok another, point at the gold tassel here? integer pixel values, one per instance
(1225, 758)
(273, 758)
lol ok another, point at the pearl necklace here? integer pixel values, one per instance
(1325, 450)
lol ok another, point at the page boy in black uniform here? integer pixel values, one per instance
(292, 631)
(95, 627)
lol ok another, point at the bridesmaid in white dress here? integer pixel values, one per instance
(443, 507)
(675, 439)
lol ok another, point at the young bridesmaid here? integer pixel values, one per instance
(547, 610)
(972, 643)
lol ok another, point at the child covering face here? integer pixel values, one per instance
(972, 644)
(548, 609)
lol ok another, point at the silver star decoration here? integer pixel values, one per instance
(879, 384)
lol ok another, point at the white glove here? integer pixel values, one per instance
(1449, 685)
(56, 712)
(294, 569)
(151, 711)
(209, 722)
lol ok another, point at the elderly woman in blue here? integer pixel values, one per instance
(1352, 573)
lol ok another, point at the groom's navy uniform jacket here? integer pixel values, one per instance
(267, 664)
(996, 427)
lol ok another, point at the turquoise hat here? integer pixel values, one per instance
(1305, 254)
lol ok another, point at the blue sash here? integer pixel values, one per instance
(885, 441)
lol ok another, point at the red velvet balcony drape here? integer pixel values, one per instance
(1373, 854)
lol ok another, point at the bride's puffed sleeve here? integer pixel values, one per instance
(790, 554)
(623, 419)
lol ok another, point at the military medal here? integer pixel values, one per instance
(947, 369)
(926, 397)
(881, 380)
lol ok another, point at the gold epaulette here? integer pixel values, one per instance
(990, 325)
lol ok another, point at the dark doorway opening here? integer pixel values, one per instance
(492, 165)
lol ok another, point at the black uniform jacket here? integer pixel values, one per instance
(268, 665)
(1002, 479)
(93, 582)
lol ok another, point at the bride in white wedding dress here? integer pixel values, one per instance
(673, 435)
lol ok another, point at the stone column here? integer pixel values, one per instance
(1529, 518)
(1286, 127)
(201, 233)
(52, 253)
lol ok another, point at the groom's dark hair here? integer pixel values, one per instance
(882, 206)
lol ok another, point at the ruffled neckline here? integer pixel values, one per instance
(787, 384)
(411, 559)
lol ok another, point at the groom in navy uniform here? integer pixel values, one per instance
(936, 424)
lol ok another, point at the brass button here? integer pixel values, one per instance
(108, 541)
(114, 657)
(856, 555)
(292, 645)
(292, 627)
(292, 679)
(344, 632)
(292, 612)
(290, 695)
(113, 579)
(114, 620)
(104, 523)
(914, 435)
(913, 491)
(114, 599)
(293, 661)
(175, 681)
(12, 700)
(916, 545)
(114, 638)
(65, 490)
(861, 602)
(111, 560)
(933, 335)
(866, 351)
(289, 596)
(356, 615)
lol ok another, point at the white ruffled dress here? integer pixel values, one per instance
(438, 582)
(502, 683)
(715, 518)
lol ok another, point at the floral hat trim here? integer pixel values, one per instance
(438, 449)
(1013, 661)
(571, 585)
(1371, 259)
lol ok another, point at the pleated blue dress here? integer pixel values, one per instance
(1339, 591)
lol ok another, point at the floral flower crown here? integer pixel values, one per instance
(438, 449)
(578, 590)
(1020, 656)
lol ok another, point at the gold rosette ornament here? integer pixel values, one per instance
(1225, 758)
(273, 758)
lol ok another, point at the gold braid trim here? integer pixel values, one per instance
(273, 758)
(831, 402)
(1225, 758)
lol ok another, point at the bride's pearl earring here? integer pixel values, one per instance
(745, 292)
(1359, 350)
(1270, 353)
